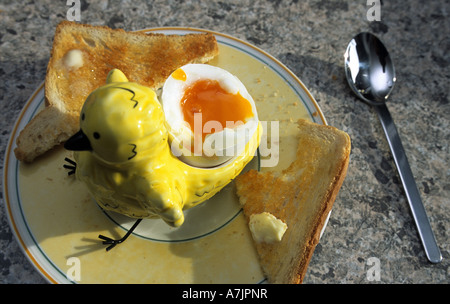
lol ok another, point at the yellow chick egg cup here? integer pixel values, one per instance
(123, 156)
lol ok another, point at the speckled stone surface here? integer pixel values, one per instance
(371, 217)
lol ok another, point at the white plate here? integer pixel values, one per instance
(57, 224)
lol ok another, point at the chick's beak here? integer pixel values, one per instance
(78, 142)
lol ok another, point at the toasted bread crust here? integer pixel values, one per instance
(147, 59)
(302, 196)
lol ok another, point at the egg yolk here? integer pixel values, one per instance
(215, 104)
(179, 74)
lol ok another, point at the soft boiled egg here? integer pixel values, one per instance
(209, 114)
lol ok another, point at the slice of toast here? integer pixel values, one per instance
(147, 59)
(301, 196)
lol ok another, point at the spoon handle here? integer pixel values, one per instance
(420, 217)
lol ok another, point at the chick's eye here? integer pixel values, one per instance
(96, 135)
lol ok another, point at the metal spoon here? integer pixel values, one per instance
(371, 75)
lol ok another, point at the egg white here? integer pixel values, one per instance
(218, 147)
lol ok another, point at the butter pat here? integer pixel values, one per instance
(73, 59)
(265, 227)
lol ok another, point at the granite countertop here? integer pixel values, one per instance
(371, 219)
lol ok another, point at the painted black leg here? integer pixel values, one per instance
(112, 243)
(72, 166)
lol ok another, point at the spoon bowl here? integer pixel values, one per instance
(371, 75)
(369, 69)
